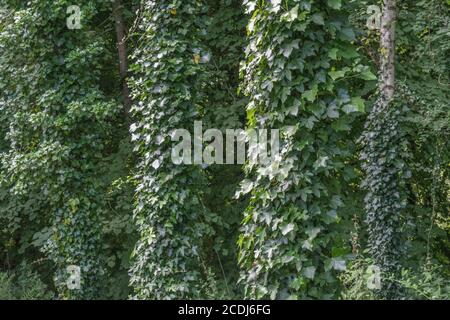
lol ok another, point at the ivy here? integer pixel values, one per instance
(384, 201)
(57, 133)
(169, 65)
(74, 193)
(299, 62)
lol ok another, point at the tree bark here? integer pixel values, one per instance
(387, 44)
(122, 50)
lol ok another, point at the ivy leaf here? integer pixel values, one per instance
(287, 228)
(337, 74)
(276, 5)
(287, 50)
(335, 4)
(251, 5)
(332, 112)
(341, 124)
(291, 15)
(333, 53)
(246, 186)
(311, 95)
(309, 272)
(358, 102)
(368, 75)
(317, 18)
(356, 105)
(348, 34)
(307, 245)
(338, 264)
(312, 232)
(156, 164)
(330, 217)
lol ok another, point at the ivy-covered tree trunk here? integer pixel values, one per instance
(57, 135)
(298, 59)
(383, 167)
(168, 86)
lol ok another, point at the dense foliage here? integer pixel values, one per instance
(298, 58)
(86, 183)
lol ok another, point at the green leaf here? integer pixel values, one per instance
(368, 75)
(287, 228)
(333, 53)
(337, 74)
(311, 95)
(356, 105)
(335, 4)
(348, 34)
(317, 18)
(359, 103)
(291, 15)
(309, 272)
(341, 124)
(339, 264)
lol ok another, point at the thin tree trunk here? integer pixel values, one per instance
(382, 205)
(122, 50)
(387, 43)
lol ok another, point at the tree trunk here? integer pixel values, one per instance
(387, 43)
(122, 50)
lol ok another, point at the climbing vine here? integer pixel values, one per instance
(384, 201)
(92, 206)
(298, 71)
(383, 165)
(172, 221)
(58, 131)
